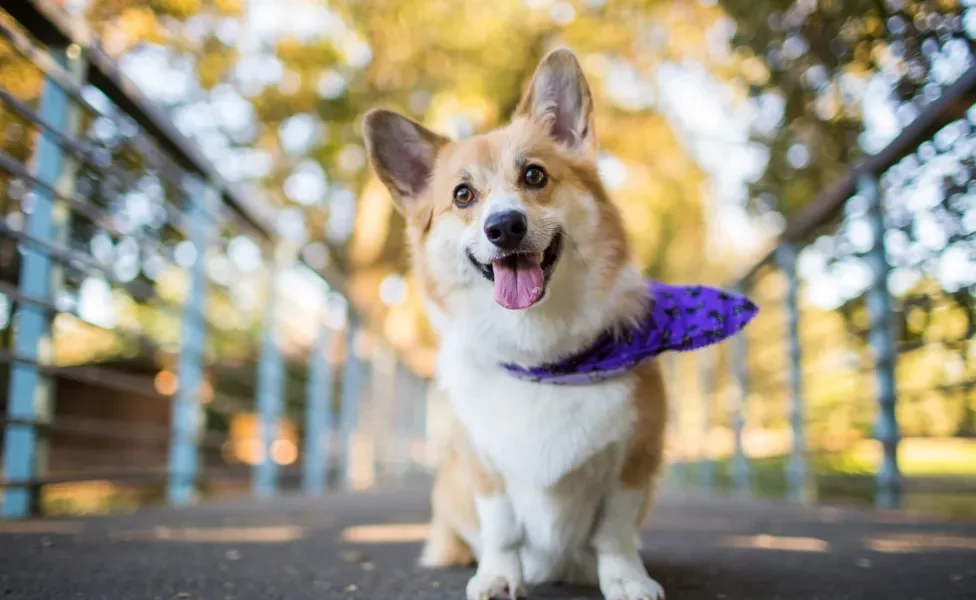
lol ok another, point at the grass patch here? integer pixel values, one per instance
(940, 476)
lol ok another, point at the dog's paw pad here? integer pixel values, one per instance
(642, 588)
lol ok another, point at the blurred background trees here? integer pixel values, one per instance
(274, 93)
(718, 119)
(829, 60)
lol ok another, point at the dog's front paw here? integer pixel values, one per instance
(498, 578)
(494, 587)
(636, 587)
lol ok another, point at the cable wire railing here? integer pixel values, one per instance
(150, 340)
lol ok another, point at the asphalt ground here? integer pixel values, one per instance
(364, 546)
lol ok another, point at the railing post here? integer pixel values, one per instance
(30, 393)
(373, 411)
(883, 343)
(187, 416)
(797, 470)
(318, 411)
(421, 410)
(383, 407)
(351, 393)
(403, 405)
(706, 468)
(270, 382)
(740, 370)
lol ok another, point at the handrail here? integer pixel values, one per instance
(951, 105)
(180, 368)
(52, 25)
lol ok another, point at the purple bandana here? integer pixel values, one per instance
(682, 318)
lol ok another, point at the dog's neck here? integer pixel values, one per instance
(570, 319)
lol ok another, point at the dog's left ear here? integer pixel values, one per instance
(559, 97)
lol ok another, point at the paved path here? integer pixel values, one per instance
(363, 547)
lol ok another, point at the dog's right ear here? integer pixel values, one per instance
(560, 97)
(402, 153)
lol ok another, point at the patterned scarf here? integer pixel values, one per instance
(681, 318)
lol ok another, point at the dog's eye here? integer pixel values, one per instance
(463, 195)
(535, 176)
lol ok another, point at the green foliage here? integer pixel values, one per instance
(819, 55)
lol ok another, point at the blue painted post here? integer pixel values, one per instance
(740, 370)
(270, 384)
(797, 470)
(318, 415)
(30, 393)
(351, 393)
(883, 343)
(373, 407)
(706, 468)
(187, 414)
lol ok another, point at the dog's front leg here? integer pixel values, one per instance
(620, 570)
(499, 572)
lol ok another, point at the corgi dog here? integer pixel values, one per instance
(524, 260)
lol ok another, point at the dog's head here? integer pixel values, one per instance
(513, 224)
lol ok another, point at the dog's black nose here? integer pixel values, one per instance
(506, 229)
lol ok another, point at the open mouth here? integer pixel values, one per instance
(520, 277)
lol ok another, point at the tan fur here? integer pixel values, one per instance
(610, 224)
(645, 453)
(645, 456)
(453, 507)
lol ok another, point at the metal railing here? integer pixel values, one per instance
(160, 338)
(882, 242)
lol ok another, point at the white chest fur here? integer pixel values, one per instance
(534, 434)
(558, 449)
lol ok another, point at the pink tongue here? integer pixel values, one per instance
(518, 281)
